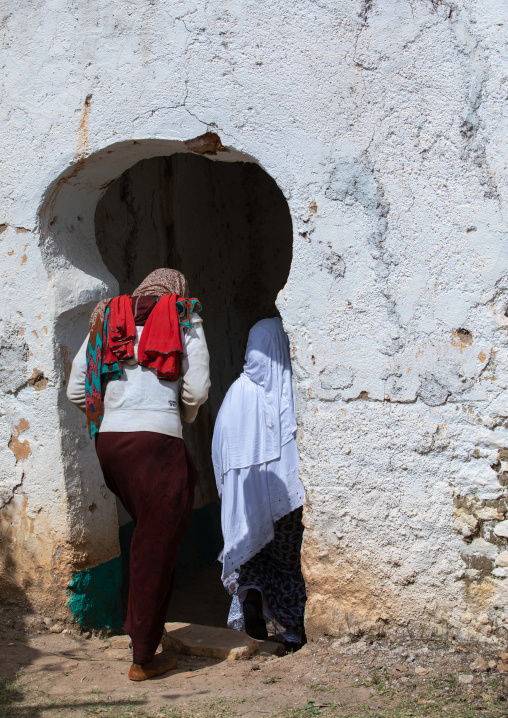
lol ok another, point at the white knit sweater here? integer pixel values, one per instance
(139, 401)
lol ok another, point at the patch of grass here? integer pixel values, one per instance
(376, 679)
(321, 687)
(217, 708)
(427, 704)
(72, 708)
(124, 711)
(311, 709)
(452, 680)
(171, 713)
(10, 691)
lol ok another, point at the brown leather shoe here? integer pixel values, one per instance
(161, 663)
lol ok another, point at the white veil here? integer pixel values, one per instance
(257, 416)
(254, 450)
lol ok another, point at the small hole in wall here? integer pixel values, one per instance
(464, 336)
(93, 507)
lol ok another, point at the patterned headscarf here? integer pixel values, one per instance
(159, 282)
(163, 281)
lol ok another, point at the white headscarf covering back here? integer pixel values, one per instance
(254, 450)
(257, 416)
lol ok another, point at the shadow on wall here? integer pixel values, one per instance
(17, 614)
(227, 227)
(85, 513)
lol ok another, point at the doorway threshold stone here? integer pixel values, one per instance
(194, 640)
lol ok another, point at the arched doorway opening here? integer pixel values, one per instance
(106, 223)
(227, 227)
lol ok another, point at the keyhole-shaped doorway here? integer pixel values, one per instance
(227, 227)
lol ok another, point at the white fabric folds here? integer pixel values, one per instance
(254, 451)
(257, 416)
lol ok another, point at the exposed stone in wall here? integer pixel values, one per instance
(13, 358)
(482, 524)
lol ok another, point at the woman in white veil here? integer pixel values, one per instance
(256, 466)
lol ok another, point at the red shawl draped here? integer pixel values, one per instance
(160, 344)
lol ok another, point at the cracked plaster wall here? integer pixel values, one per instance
(383, 125)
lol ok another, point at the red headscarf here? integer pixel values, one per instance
(159, 282)
(112, 342)
(160, 344)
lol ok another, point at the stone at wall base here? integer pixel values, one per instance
(118, 654)
(270, 648)
(192, 639)
(120, 643)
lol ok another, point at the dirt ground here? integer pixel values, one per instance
(45, 675)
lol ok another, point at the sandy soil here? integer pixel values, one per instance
(46, 675)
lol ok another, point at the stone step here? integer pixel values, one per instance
(119, 643)
(119, 646)
(192, 639)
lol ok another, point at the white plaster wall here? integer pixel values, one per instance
(382, 122)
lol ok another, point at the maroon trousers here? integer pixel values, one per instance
(154, 477)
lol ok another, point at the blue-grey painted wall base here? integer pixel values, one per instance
(94, 596)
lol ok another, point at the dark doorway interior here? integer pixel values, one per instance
(227, 227)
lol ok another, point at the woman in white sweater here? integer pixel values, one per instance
(144, 367)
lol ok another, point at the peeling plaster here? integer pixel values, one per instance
(37, 380)
(20, 448)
